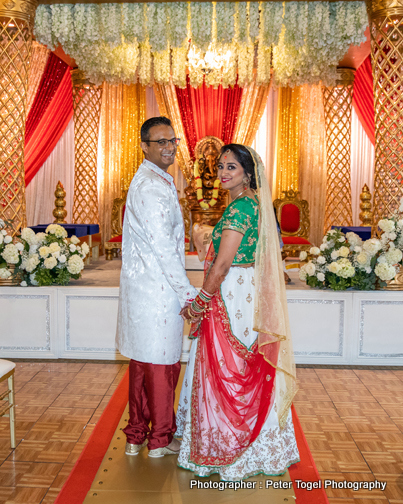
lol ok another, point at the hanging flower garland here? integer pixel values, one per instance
(199, 190)
(331, 27)
(303, 41)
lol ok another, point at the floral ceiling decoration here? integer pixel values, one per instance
(151, 42)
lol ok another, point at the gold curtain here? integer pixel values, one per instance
(253, 103)
(287, 173)
(312, 158)
(109, 154)
(169, 107)
(39, 58)
(134, 112)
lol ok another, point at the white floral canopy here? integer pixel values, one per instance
(146, 42)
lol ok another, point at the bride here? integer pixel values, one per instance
(234, 409)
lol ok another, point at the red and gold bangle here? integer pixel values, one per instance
(191, 314)
(201, 302)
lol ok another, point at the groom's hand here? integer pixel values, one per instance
(184, 312)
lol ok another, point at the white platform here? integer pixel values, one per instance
(79, 321)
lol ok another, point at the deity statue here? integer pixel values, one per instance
(208, 167)
(206, 200)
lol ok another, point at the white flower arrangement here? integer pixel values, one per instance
(179, 15)
(47, 258)
(201, 20)
(10, 254)
(330, 29)
(345, 261)
(119, 42)
(179, 60)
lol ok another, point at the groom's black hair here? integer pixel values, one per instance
(150, 123)
(244, 157)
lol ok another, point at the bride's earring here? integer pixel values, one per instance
(246, 183)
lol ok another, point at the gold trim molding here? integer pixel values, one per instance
(51, 2)
(79, 79)
(20, 10)
(345, 76)
(383, 8)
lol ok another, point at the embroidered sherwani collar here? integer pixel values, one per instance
(148, 164)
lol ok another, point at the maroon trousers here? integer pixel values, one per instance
(151, 399)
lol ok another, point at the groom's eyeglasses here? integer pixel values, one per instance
(164, 142)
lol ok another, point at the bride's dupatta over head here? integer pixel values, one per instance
(234, 386)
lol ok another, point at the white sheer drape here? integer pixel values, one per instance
(362, 164)
(312, 158)
(39, 194)
(265, 140)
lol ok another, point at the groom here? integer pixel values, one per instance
(153, 288)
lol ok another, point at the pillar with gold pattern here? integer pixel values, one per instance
(16, 25)
(386, 27)
(87, 109)
(337, 102)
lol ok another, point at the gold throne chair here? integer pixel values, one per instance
(114, 246)
(293, 218)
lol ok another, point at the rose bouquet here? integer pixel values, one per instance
(49, 258)
(344, 261)
(9, 254)
(390, 256)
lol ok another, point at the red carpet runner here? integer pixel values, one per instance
(81, 477)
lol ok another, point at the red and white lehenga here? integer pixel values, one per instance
(234, 410)
(227, 414)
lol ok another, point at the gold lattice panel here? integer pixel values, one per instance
(15, 50)
(387, 63)
(87, 108)
(338, 103)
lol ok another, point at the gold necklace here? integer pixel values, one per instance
(240, 194)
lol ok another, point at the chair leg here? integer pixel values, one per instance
(11, 400)
(108, 253)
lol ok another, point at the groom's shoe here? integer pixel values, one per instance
(134, 449)
(172, 449)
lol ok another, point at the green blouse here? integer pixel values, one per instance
(241, 215)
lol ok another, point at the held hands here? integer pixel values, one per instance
(195, 311)
(186, 313)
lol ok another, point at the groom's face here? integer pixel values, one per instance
(163, 157)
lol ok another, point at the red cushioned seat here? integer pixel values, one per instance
(293, 217)
(290, 217)
(295, 240)
(117, 239)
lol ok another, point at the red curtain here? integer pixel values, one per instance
(208, 111)
(52, 76)
(49, 128)
(363, 98)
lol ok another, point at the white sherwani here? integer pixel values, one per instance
(153, 281)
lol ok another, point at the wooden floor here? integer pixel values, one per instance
(352, 419)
